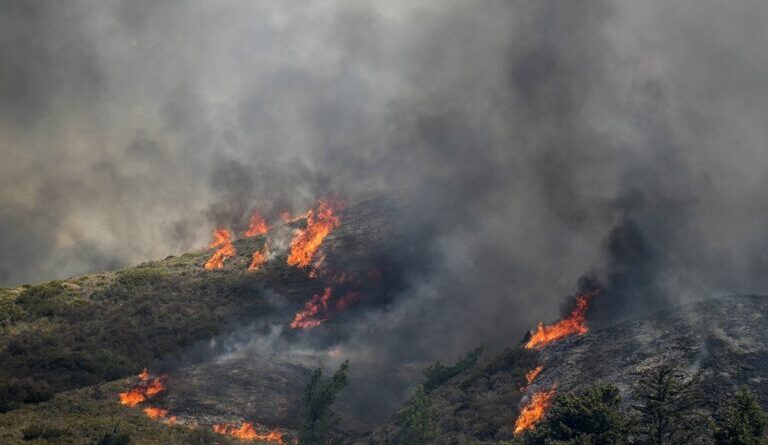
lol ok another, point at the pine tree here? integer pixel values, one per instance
(320, 421)
(667, 408)
(744, 422)
(591, 417)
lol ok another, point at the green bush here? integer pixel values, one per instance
(437, 374)
(115, 438)
(14, 392)
(141, 276)
(45, 300)
(43, 431)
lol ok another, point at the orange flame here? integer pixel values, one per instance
(574, 324)
(259, 258)
(223, 240)
(310, 316)
(286, 217)
(257, 226)
(534, 411)
(155, 413)
(531, 375)
(247, 432)
(306, 242)
(318, 310)
(146, 389)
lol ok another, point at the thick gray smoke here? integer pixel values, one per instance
(529, 142)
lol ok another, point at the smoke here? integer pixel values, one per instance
(523, 143)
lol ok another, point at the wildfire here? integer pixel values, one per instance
(146, 389)
(531, 375)
(306, 242)
(247, 432)
(574, 324)
(159, 414)
(258, 226)
(259, 258)
(223, 240)
(311, 316)
(319, 309)
(535, 410)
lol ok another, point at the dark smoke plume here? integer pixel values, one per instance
(523, 144)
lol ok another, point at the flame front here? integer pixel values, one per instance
(531, 375)
(259, 258)
(306, 242)
(247, 432)
(319, 309)
(535, 410)
(257, 226)
(146, 389)
(574, 324)
(223, 240)
(313, 314)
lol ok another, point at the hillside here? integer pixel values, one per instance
(724, 342)
(222, 343)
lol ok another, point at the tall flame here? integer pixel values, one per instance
(257, 226)
(574, 324)
(146, 389)
(247, 432)
(259, 258)
(535, 410)
(306, 242)
(223, 240)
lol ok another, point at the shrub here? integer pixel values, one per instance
(438, 373)
(140, 276)
(115, 438)
(42, 431)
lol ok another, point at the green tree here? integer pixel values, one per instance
(416, 421)
(320, 420)
(743, 423)
(666, 408)
(591, 417)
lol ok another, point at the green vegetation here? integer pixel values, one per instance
(589, 417)
(416, 422)
(320, 421)
(88, 330)
(666, 408)
(437, 374)
(743, 423)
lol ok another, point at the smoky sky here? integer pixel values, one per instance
(530, 142)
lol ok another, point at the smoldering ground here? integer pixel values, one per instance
(525, 143)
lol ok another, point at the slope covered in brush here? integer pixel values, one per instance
(85, 330)
(721, 343)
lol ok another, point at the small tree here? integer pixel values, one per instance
(666, 408)
(416, 421)
(591, 417)
(743, 423)
(320, 420)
